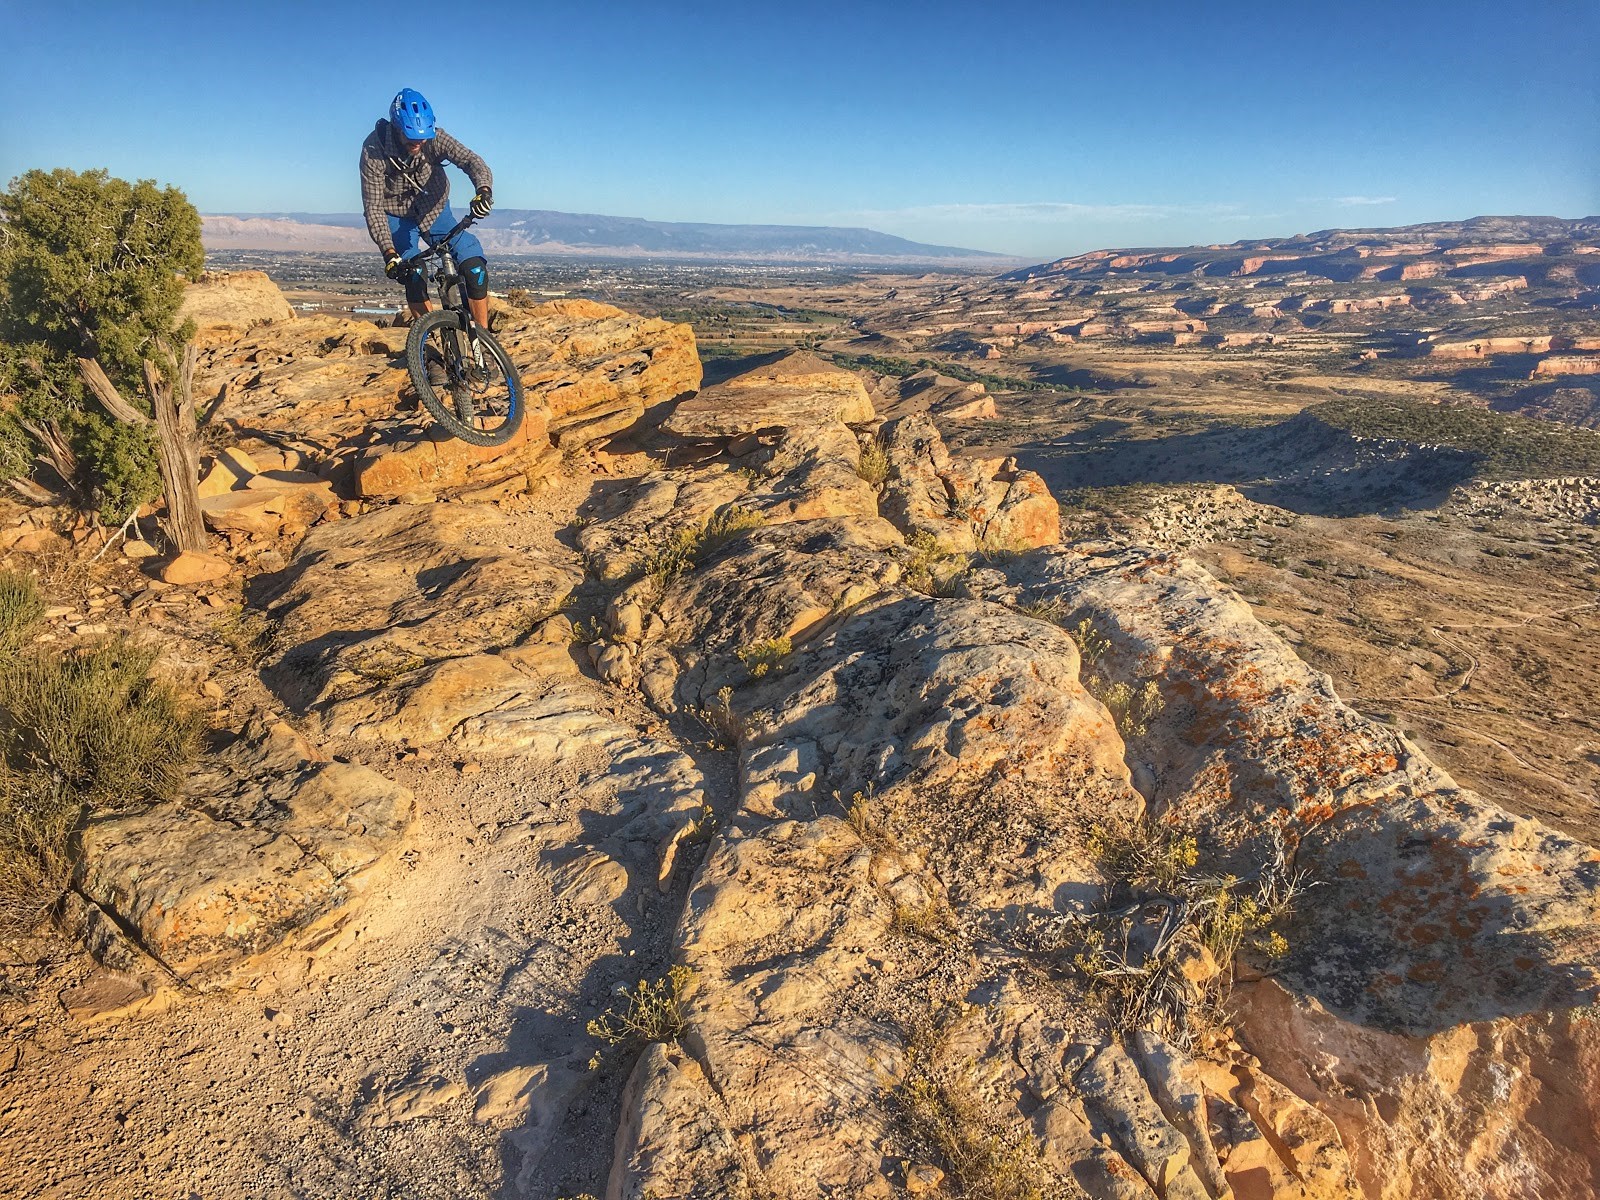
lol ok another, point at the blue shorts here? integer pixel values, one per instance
(408, 238)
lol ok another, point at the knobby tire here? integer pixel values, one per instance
(431, 336)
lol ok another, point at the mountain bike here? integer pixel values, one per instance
(463, 377)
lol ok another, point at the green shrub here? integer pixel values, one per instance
(1507, 446)
(1050, 609)
(16, 451)
(1092, 644)
(384, 663)
(724, 725)
(1133, 710)
(931, 569)
(121, 461)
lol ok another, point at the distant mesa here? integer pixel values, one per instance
(536, 231)
(1456, 248)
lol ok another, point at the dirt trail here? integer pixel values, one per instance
(457, 988)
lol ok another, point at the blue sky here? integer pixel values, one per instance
(1032, 129)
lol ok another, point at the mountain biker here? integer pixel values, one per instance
(407, 197)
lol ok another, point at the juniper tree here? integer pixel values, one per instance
(91, 277)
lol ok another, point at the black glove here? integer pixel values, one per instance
(482, 203)
(391, 265)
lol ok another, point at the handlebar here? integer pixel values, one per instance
(433, 250)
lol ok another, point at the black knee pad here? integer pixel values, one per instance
(416, 285)
(475, 278)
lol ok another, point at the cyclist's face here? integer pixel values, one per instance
(414, 148)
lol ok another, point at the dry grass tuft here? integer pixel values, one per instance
(933, 570)
(874, 464)
(688, 548)
(945, 1119)
(251, 635)
(80, 733)
(724, 725)
(1159, 954)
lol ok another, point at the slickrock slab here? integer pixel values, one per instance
(798, 390)
(1443, 944)
(623, 528)
(382, 597)
(1435, 908)
(435, 461)
(931, 709)
(949, 733)
(963, 504)
(263, 843)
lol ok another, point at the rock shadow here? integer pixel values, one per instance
(1299, 465)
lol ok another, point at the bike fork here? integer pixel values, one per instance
(476, 343)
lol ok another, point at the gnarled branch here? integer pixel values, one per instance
(106, 392)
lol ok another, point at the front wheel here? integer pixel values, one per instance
(467, 383)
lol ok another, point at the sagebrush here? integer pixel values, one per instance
(21, 607)
(82, 732)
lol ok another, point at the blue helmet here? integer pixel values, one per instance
(412, 115)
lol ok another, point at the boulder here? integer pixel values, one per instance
(435, 461)
(798, 390)
(598, 368)
(189, 568)
(268, 506)
(623, 528)
(231, 468)
(811, 472)
(265, 839)
(225, 304)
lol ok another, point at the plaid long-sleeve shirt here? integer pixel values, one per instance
(394, 183)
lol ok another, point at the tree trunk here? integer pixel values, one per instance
(180, 459)
(177, 441)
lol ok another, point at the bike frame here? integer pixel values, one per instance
(446, 276)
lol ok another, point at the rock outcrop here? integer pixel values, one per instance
(269, 838)
(963, 504)
(341, 387)
(226, 304)
(915, 776)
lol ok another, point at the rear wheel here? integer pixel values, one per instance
(467, 383)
